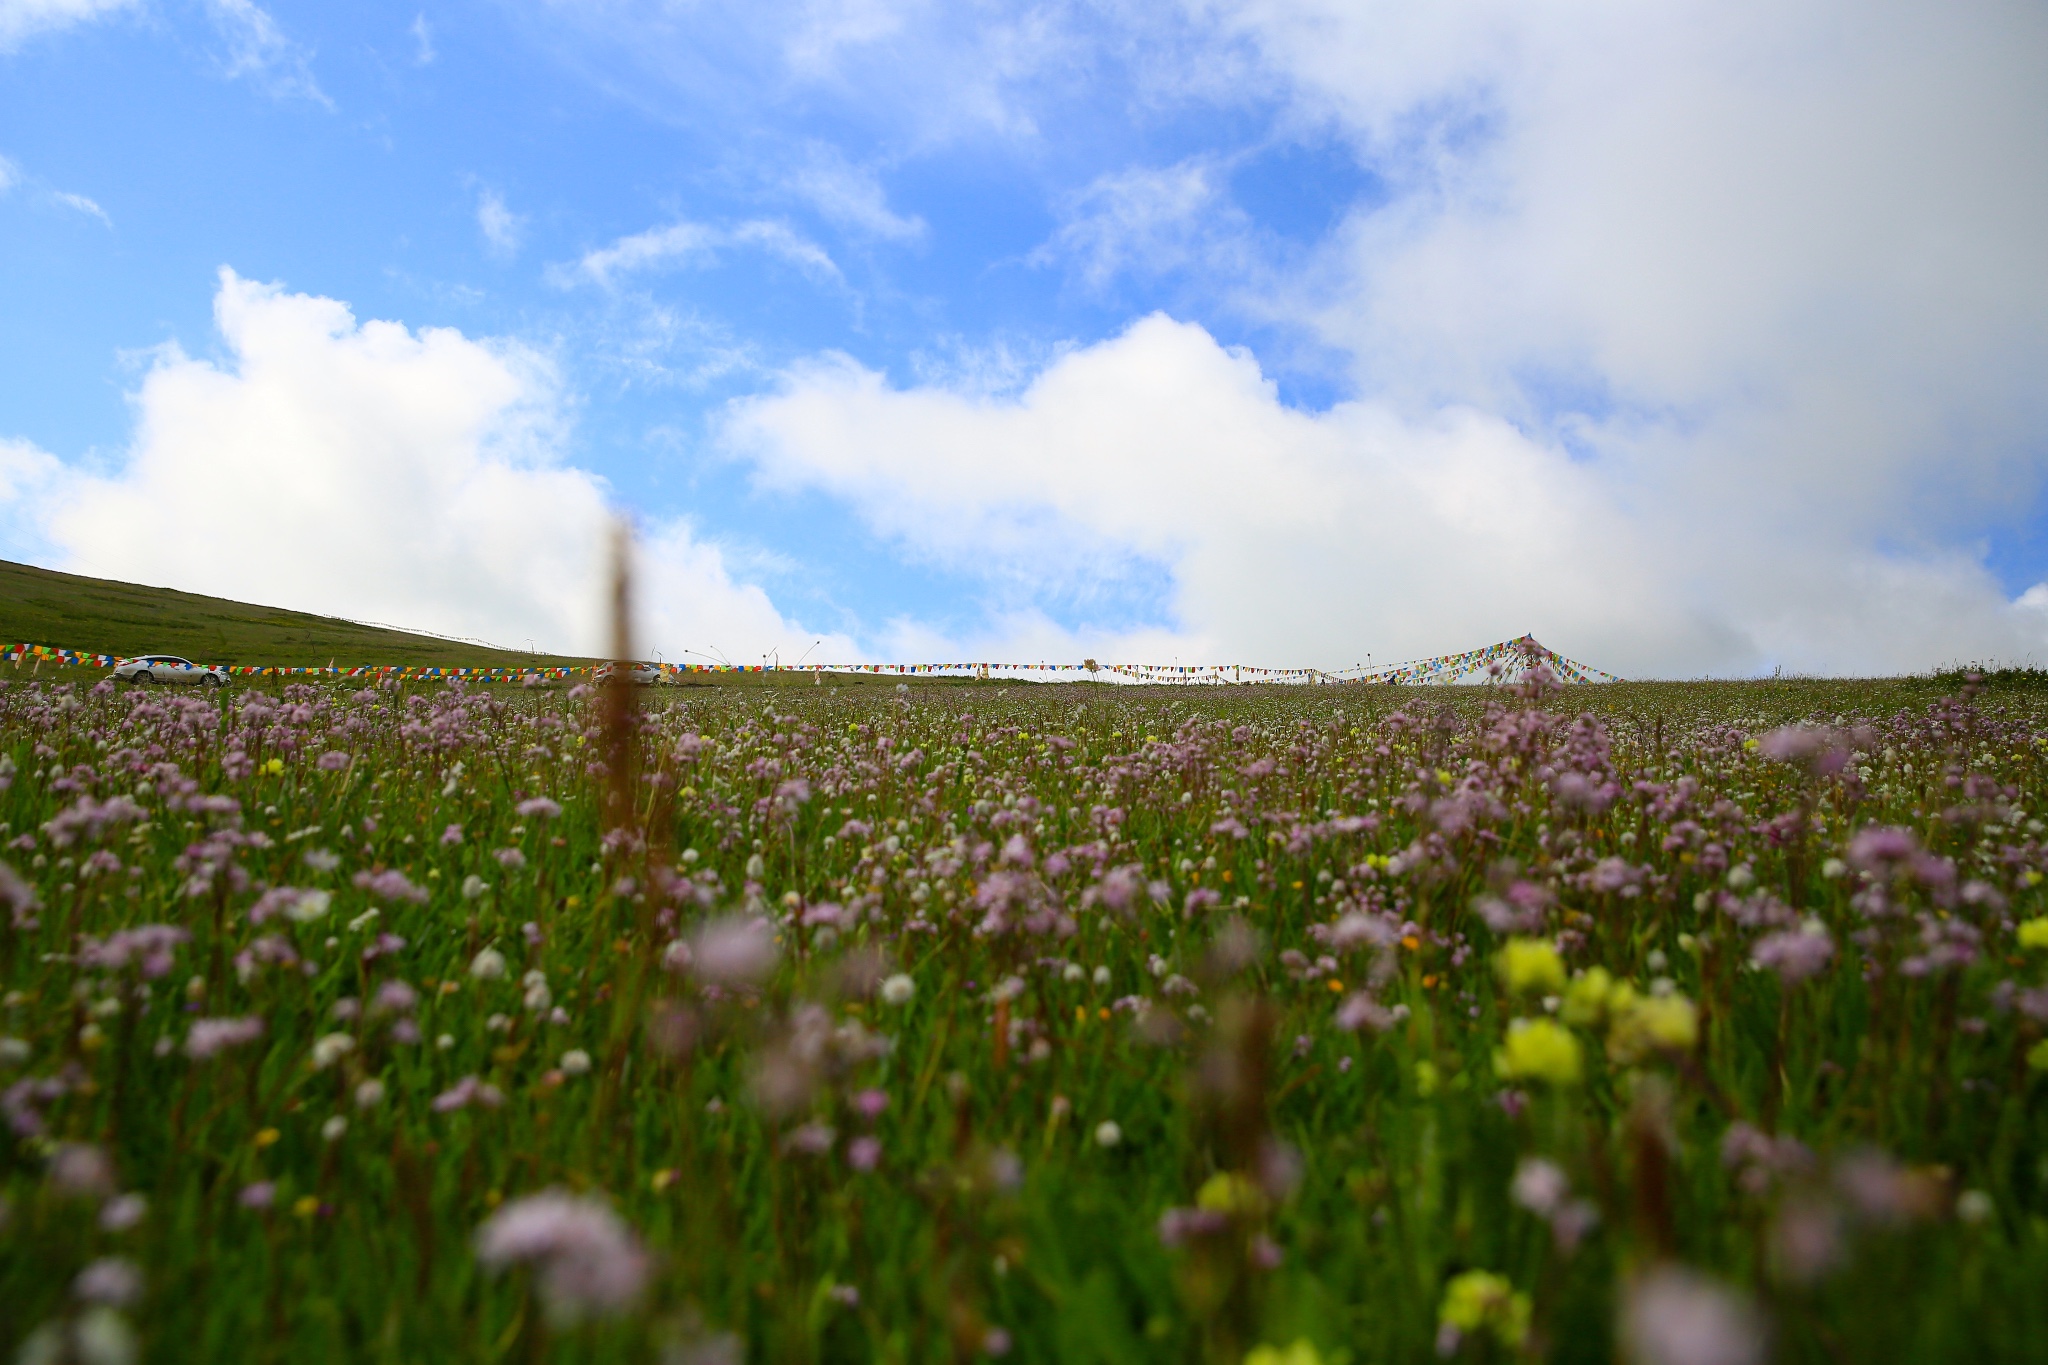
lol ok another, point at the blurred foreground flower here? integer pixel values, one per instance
(585, 1260)
(1674, 1316)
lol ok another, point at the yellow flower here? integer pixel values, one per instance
(1654, 1023)
(1530, 964)
(2034, 933)
(2037, 1055)
(1595, 996)
(1302, 1352)
(306, 1206)
(1231, 1193)
(1425, 1079)
(267, 1136)
(1539, 1050)
(1481, 1301)
(274, 767)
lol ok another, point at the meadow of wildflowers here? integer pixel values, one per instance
(1687, 1024)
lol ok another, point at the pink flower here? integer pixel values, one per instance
(864, 1153)
(451, 835)
(585, 1260)
(1673, 1316)
(79, 1168)
(465, 1092)
(390, 885)
(733, 951)
(1795, 954)
(210, 1036)
(537, 808)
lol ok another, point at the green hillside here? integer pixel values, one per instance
(40, 606)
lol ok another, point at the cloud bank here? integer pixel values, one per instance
(369, 471)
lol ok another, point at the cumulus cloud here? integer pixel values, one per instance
(370, 471)
(1314, 538)
(687, 243)
(21, 20)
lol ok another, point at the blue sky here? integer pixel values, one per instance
(1273, 332)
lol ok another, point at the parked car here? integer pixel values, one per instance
(169, 668)
(640, 675)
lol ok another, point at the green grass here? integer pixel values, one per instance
(1352, 1176)
(97, 615)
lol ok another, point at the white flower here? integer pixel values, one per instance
(576, 1062)
(308, 906)
(1102, 976)
(474, 886)
(332, 1130)
(1108, 1134)
(369, 1094)
(445, 1041)
(538, 997)
(488, 965)
(1074, 972)
(898, 989)
(330, 1048)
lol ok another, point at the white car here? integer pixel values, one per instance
(169, 668)
(640, 675)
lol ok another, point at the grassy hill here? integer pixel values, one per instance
(40, 606)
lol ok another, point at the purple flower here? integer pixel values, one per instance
(390, 885)
(148, 945)
(509, 858)
(733, 951)
(123, 1212)
(1179, 1226)
(1673, 1316)
(864, 1153)
(19, 898)
(451, 835)
(1794, 954)
(584, 1258)
(109, 1280)
(1877, 849)
(79, 1168)
(259, 1194)
(537, 808)
(211, 1036)
(394, 997)
(465, 1092)
(333, 761)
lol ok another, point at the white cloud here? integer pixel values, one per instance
(1304, 538)
(10, 175)
(502, 228)
(21, 20)
(1147, 221)
(29, 478)
(364, 470)
(260, 51)
(687, 243)
(423, 41)
(849, 195)
(82, 205)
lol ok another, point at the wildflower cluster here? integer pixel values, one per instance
(1050, 1023)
